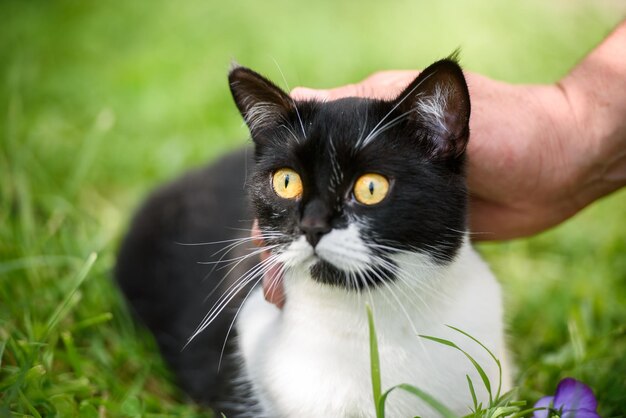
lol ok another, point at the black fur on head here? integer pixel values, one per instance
(417, 141)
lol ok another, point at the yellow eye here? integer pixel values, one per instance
(371, 188)
(287, 183)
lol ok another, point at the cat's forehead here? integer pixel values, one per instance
(349, 105)
(344, 120)
(335, 139)
(348, 111)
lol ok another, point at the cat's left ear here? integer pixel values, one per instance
(438, 100)
(262, 104)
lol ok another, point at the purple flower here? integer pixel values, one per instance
(573, 399)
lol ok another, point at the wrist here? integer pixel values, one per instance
(562, 151)
(594, 93)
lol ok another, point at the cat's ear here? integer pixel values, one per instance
(262, 104)
(438, 100)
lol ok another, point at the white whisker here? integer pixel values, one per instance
(230, 293)
(232, 323)
(292, 100)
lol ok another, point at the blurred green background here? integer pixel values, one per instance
(102, 101)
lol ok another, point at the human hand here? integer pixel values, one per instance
(517, 170)
(272, 281)
(537, 154)
(521, 166)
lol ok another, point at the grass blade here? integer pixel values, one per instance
(3, 344)
(374, 362)
(93, 321)
(504, 411)
(28, 405)
(66, 303)
(527, 411)
(479, 369)
(490, 353)
(434, 403)
(473, 392)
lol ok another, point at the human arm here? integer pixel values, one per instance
(538, 154)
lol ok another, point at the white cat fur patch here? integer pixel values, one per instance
(261, 115)
(432, 108)
(312, 357)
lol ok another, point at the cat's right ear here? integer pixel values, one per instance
(262, 104)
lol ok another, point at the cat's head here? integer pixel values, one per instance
(341, 187)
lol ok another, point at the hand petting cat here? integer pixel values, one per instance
(538, 153)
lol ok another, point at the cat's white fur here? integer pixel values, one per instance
(311, 359)
(432, 108)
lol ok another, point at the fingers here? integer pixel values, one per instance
(380, 85)
(272, 282)
(350, 90)
(304, 93)
(257, 237)
(388, 84)
(273, 288)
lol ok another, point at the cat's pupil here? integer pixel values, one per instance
(371, 187)
(286, 180)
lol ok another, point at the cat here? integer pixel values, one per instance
(359, 202)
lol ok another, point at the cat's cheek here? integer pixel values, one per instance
(298, 253)
(278, 219)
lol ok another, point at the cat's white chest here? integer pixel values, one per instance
(306, 370)
(312, 359)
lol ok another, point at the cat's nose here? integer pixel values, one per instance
(314, 229)
(315, 221)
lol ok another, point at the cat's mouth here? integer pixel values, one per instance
(340, 258)
(325, 272)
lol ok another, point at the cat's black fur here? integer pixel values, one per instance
(168, 288)
(424, 210)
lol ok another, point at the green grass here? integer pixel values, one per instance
(101, 101)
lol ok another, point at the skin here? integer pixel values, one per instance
(537, 154)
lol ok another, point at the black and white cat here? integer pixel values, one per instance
(360, 201)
